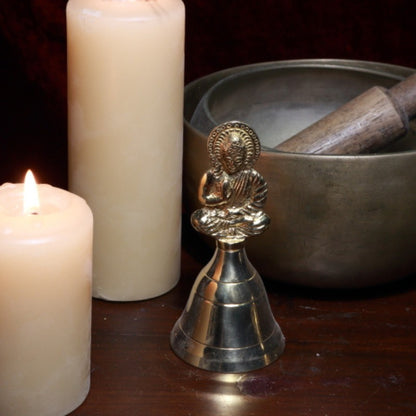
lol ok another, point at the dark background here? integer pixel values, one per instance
(220, 34)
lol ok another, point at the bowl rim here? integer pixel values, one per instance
(369, 67)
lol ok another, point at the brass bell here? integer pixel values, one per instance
(227, 324)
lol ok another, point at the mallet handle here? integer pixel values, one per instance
(365, 124)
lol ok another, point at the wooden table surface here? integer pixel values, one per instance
(347, 353)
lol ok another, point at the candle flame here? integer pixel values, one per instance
(30, 195)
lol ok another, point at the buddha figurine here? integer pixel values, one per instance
(232, 192)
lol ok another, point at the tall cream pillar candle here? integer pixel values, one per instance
(125, 104)
(45, 302)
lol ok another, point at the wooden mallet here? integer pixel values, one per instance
(365, 124)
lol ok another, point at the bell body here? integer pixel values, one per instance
(227, 324)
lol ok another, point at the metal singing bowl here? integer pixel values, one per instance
(337, 221)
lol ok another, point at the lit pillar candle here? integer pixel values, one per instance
(125, 108)
(45, 301)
